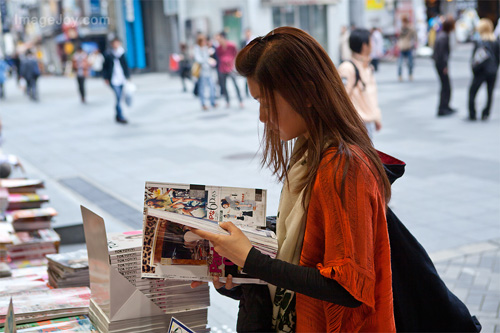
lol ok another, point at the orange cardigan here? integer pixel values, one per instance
(350, 245)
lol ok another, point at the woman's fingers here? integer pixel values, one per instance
(228, 285)
(195, 284)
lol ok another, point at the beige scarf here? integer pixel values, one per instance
(290, 233)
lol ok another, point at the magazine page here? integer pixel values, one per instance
(242, 206)
(43, 302)
(67, 324)
(172, 251)
(76, 260)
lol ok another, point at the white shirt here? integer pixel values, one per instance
(118, 77)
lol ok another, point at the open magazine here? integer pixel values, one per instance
(175, 252)
(172, 251)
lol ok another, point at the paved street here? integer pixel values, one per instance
(449, 197)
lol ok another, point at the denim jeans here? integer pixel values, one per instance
(118, 93)
(204, 82)
(405, 54)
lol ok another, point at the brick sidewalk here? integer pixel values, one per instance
(473, 275)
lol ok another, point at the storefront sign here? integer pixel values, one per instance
(375, 4)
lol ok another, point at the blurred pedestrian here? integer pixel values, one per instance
(345, 50)
(115, 72)
(206, 63)
(96, 61)
(30, 71)
(485, 60)
(377, 41)
(407, 40)
(248, 38)
(4, 66)
(359, 80)
(441, 56)
(184, 65)
(81, 69)
(226, 53)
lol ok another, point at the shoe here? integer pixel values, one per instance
(204, 107)
(445, 112)
(411, 77)
(452, 110)
(121, 120)
(400, 78)
(242, 106)
(469, 119)
(485, 116)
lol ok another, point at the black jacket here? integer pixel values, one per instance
(441, 49)
(107, 67)
(422, 302)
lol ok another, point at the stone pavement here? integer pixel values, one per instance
(449, 197)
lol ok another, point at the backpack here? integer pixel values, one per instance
(358, 76)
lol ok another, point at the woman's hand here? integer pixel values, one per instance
(234, 246)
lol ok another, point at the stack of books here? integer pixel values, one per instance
(21, 185)
(121, 300)
(69, 269)
(37, 305)
(31, 219)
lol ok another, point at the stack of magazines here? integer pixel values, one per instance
(172, 251)
(124, 302)
(33, 244)
(31, 219)
(72, 324)
(18, 201)
(37, 305)
(69, 269)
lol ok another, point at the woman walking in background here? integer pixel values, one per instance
(206, 63)
(485, 60)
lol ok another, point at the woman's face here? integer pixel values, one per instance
(290, 124)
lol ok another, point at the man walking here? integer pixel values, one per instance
(116, 73)
(226, 53)
(30, 72)
(359, 80)
(441, 56)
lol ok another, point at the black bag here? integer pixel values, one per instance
(422, 302)
(482, 59)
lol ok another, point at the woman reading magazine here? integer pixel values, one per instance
(332, 272)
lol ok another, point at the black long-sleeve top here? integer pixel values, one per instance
(304, 280)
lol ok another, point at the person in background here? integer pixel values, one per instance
(359, 81)
(248, 38)
(345, 50)
(407, 41)
(30, 71)
(441, 57)
(184, 65)
(115, 72)
(203, 57)
(377, 41)
(226, 54)
(96, 61)
(332, 272)
(81, 69)
(4, 66)
(487, 70)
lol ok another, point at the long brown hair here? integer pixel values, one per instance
(289, 61)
